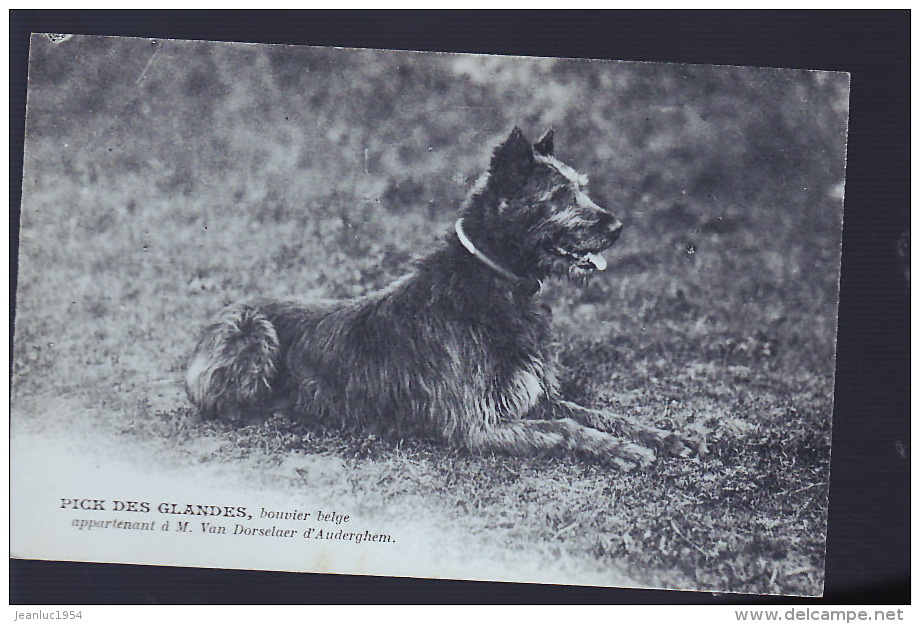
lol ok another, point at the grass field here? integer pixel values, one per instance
(165, 180)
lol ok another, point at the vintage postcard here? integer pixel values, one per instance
(427, 315)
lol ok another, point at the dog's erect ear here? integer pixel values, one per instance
(544, 146)
(511, 161)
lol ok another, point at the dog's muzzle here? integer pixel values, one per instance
(613, 230)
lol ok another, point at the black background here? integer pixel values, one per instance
(868, 546)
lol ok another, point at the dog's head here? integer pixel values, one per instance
(536, 214)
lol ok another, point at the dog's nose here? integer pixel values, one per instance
(608, 225)
(614, 227)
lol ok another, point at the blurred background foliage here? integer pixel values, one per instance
(182, 113)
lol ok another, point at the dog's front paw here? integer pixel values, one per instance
(628, 456)
(663, 441)
(642, 457)
(610, 450)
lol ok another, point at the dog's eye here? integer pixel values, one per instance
(563, 194)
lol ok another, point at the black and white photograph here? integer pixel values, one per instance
(429, 315)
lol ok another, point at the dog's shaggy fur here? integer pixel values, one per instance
(457, 351)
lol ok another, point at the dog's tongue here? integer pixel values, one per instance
(597, 260)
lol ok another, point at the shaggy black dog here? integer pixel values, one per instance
(457, 351)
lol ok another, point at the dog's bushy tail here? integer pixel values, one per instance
(234, 365)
